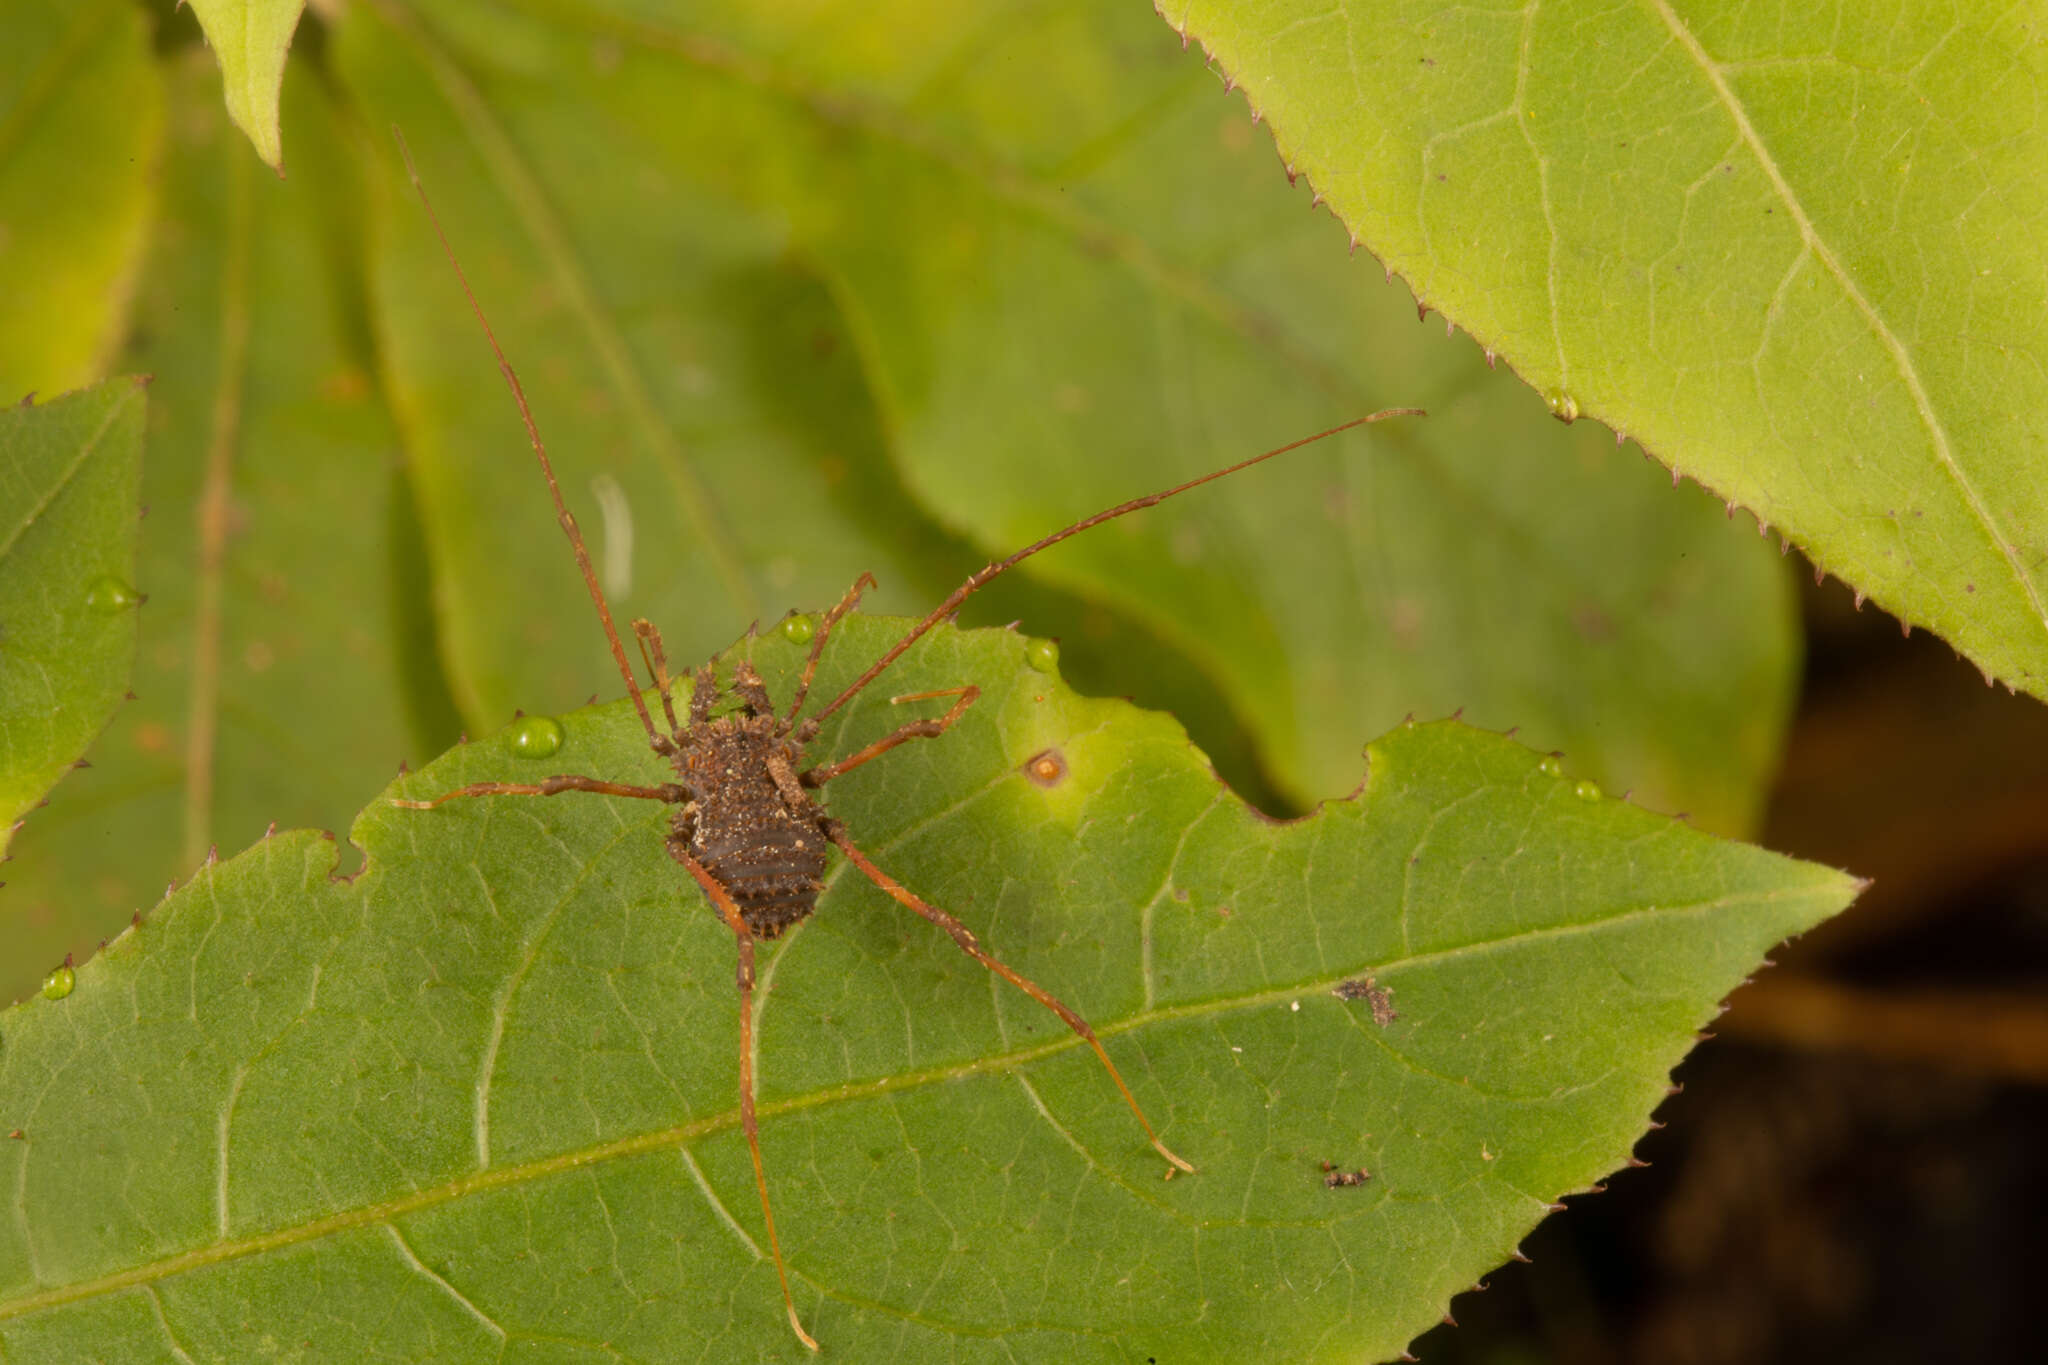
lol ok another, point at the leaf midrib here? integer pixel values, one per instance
(1902, 360)
(370, 1215)
(63, 481)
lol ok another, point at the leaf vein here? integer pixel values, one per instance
(1902, 359)
(502, 1177)
(440, 1282)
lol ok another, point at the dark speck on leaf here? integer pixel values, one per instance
(1365, 988)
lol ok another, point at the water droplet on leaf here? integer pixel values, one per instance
(799, 629)
(1587, 790)
(109, 594)
(58, 984)
(1043, 655)
(1563, 406)
(535, 737)
(1551, 766)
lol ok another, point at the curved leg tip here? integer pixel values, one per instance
(801, 1335)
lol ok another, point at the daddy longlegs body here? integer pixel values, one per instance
(747, 827)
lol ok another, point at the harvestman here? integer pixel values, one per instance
(747, 827)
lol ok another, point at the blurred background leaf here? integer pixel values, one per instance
(69, 471)
(1068, 276)
(81, 132)
(286, 665)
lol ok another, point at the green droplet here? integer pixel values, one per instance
(1563, 406)
(1588, 790)
(534, 737)
(109, 594)
(799, 629)
(58, 984)
(1043, 655)
(1551, 766)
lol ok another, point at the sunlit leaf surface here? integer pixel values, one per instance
(1796, 250)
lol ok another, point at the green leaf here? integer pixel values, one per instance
(478, 1101)
(1069, 275)
(81, 135)
(285, 665)
(250, 39)
(69, 470)
(1797, 252)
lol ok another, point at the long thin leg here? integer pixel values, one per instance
(553, 786)
(985, 573)
(657, 664)
(964, 937)
(744, 975)
(540, 453)
(846, 604)
(917, 729)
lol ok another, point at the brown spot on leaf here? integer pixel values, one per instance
(1048, 768)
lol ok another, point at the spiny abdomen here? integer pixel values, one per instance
(771, 863)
